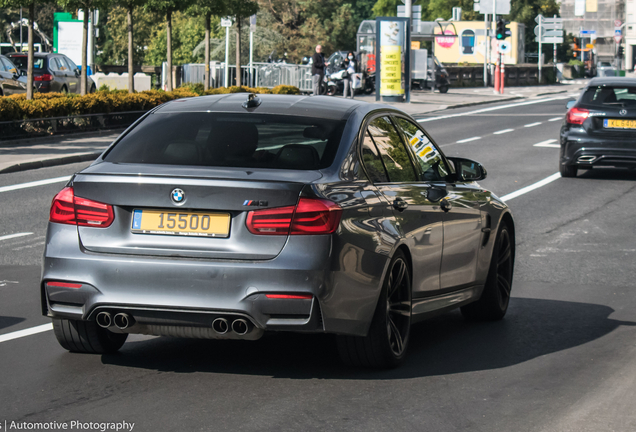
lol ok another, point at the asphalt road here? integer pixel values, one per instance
(563, 359)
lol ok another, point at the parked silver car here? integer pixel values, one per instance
(226, 217)
(11, 80)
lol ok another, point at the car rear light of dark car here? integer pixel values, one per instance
(577, 115)
(43, 77)
(63, 284)
(311, 216)
(66, 208)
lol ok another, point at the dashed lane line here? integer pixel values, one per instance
(548, 143)
(16, 235)
(532, 187)
(532, 124)
(555, 119)
(26, 332)
(34, 183)
(468, 140)
(502, 131)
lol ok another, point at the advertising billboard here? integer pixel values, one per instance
(393, 45)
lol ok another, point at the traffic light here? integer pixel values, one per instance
(502, 31)
(575, 48)
(621, 52)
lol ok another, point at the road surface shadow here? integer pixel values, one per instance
(607, 174)
(8, 321)
(445, 345)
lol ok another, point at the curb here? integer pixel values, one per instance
(35, 140)
(50, 162)
(447, 107)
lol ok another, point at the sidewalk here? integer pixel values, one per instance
(21, 155)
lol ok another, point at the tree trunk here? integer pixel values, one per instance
(238, 51)
(206, 82)
(84, 52)
(169, 50)
(131, 67)
(29, 94)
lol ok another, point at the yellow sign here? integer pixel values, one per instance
(591, 5)
(391, 70)
(416, 44)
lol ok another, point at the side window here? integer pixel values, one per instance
(372, 161)
(3, 68)
(427, 155)
(53, 64)
(8, 66)
(392, 151)
(72, 67)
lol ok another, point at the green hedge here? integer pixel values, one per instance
(44, 105)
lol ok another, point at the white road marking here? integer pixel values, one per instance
(468, 140)
(532, 124)
(548, 143)
(495, 108)
(502, 131)
(26, 332)
(34, 183)
(555, 119)
(532, 187)
(10, 236)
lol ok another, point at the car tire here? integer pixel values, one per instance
(386, 343)
(87, 337)
(568, 170)
(494, 300)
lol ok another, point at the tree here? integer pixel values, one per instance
(206, 9)
(167, 8)
(86, 6)
(240, 9)
(130, 5)
(30, 5)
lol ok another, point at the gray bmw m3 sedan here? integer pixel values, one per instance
(225, 217)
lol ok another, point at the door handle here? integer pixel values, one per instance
(399, 204)
(445, 205)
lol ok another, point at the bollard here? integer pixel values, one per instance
(503, 78)
(497, 78)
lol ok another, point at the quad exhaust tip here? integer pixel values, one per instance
(122, 321)
(220, 325)
(104, 319)
(240, 327)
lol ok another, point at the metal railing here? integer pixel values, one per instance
(258, 75)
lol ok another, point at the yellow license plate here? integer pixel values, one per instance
(620, 124)
(193, 224)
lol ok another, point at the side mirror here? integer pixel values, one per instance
(16, 75)
(23, 73)
(467, 170)
(570, 104)
(77, 72)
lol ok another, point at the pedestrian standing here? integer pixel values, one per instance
(318, 69)
(350, 68)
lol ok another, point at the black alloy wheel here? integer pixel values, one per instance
(387, 340)
(495, 298)
(566, 170)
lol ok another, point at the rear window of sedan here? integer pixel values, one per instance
(610, 96)
(231, 140)
(22, 62)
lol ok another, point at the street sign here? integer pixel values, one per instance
(486, 7)
(253, 23)
(226, 22)
(618, 35)
(617, 23)
(547, 32)
(587, 33)
(549, 40)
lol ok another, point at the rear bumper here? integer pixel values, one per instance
(200, 290)
(579, 148)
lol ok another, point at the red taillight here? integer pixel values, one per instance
(309, 216)
(577, 115)
(64, 284)
(43, 77)
(66, 208)
(290, 296)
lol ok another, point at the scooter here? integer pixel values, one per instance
(335, 83)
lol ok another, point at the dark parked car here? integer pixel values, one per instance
(600, 127)
(11, 81)
(228, 216)
(53, 72)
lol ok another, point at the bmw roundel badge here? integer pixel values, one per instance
(177, 195)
